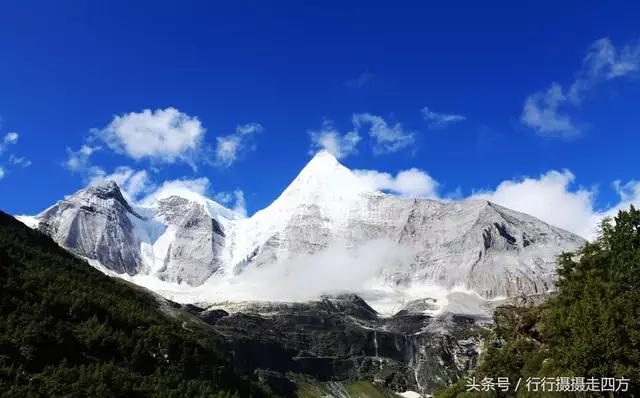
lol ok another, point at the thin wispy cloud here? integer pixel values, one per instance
(547, 111)
(386, 138)
(359, 81)
(19, 160)
(440, 120)
(8, 140)
(328, 138)
(79, 160)
(188, 187)
(229, 148)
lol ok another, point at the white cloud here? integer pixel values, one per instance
(359, 81)
(11, 138)
(604, 62)
(629, 194)
(440, 120)
(542, 110)
(163, 136)
(234, 200)
(549, 198)
(240, 206)
(541, 113)
(412, 183)
(80, 160)
(224, 197)
(333, 270)
(181, 187)
(132, 182)
(553, 199)
(8, 139)
(386, 138)
(328, 138)
(138, 187)
(230, 147)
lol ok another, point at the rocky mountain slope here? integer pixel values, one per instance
(473, 245)
(341, 338)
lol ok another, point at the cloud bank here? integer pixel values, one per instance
(333, 270)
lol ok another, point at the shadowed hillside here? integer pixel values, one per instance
(67, 329)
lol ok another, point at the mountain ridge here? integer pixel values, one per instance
(472, 244)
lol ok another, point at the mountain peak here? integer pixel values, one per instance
(106, 186)
(322, 163)
(104, 193)
(323, 157)
(107, 190)
(323, 179)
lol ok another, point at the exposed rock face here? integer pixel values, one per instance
(176, 239)
(342, 338)
(96, 223)
(193, 254)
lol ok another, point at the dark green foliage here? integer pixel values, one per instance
(593, 323)
(68, 330)
(589, 328)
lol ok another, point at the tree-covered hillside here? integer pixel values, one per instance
(590, 328)
(68, 330)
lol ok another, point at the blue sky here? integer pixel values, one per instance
(512, 95)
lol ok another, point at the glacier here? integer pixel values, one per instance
(328, 232)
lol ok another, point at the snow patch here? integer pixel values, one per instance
(30, 221)
(411, 394)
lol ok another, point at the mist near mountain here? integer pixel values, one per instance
(333, 270)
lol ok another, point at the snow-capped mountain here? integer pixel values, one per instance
(96, 222)
(174, 238)
(476, 245)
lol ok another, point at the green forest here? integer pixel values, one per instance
(68, 330)
(589, 328)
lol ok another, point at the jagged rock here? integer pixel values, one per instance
(96, 223)
(340, 339)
